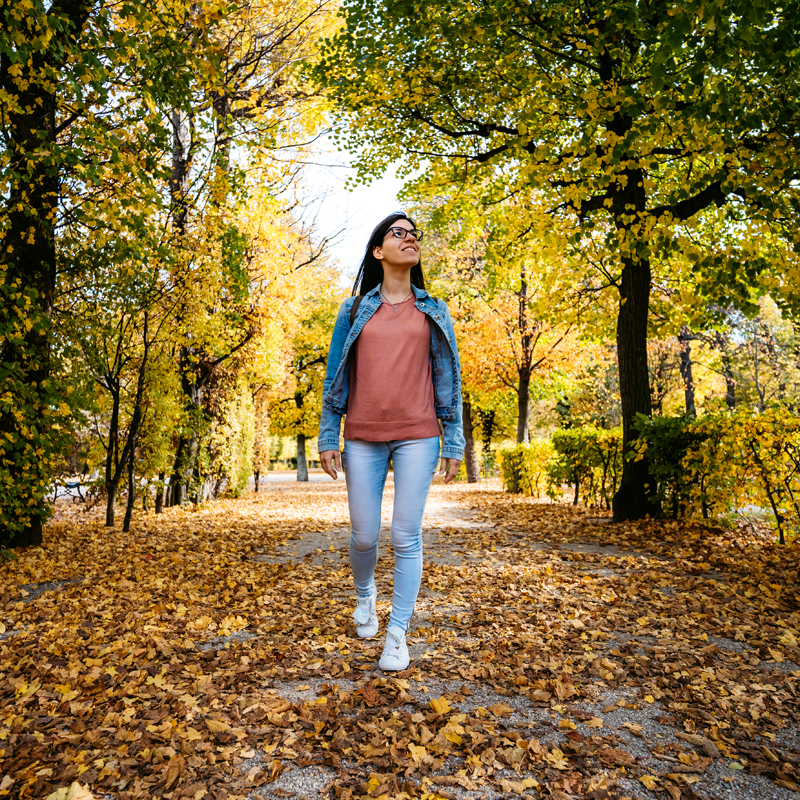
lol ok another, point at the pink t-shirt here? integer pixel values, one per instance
(391, 389)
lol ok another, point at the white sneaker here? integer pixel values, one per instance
(395, 652)
(365, 616)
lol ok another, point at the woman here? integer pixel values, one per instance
(393, 369)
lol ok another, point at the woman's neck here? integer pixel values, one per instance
(396, 283)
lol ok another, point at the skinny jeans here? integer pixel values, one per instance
(366, 465)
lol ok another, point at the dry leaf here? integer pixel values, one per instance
(75, 791)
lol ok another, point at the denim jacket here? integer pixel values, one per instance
(445, 369)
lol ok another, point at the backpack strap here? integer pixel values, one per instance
(354, 309)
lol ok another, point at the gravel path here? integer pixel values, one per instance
(641, 730)
(640, 726)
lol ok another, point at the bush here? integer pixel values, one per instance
(715, 465)
(524, 467)
(707, 468)
(677, 447)
(590, 459)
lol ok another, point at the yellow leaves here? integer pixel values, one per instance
(76, 791)
(217, 726)
(452, 736)
(231, 624)
(518, 787)
(789, 638)
(556, 758)
(358, 715)
(418, 753)
(441, 706)
(25, 690)
(633, 727)
(777, 655)
(67, 693)
(173, 772)
(501, 709)
(649, 781)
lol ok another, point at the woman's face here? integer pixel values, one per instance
(396, 251)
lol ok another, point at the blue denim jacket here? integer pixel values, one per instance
(445, 370)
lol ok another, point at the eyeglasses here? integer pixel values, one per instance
(401, 233)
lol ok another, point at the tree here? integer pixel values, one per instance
(622, 125)
(296, 406)
(68, 147)
(257, 101)
(511, 310)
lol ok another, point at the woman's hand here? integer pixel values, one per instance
(449, 468)
(331, 462)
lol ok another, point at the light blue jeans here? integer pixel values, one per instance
(366, 465)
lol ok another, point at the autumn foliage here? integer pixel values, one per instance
(213, 651)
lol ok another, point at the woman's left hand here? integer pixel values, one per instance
(449, 468)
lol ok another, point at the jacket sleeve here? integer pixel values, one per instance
(330, 421)
(453, 441)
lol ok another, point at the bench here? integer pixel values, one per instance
(70, 486)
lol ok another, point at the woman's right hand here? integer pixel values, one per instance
(331, 462)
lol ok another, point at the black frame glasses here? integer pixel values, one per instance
(400, 232)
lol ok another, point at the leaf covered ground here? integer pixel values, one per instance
(211, 653)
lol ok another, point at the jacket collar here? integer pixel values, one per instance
(420, 294)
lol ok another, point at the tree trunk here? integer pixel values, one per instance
(193, 383)
(256, 479)
(160, 493)
(112, 475)
(302, 463)
(487, 431)
(136, 422)
(760, 390)
(721, 340)
(523, 407)
(470, 453)
(632, 500)
(126, 523)
(28, 253)
(684, 338)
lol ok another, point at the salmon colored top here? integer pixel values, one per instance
(391, 388)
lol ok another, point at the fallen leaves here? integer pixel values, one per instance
(73, 792)
(168, 674)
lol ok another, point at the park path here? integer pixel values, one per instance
(464, 532)
(553, 655)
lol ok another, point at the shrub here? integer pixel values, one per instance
(590, 459)
(705, 468)
(524, 467)
(715, 465)
(680, 453)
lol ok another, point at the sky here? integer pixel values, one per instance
(352, 214)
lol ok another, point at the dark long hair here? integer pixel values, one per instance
(370, 273)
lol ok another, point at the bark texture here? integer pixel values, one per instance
(470, 452)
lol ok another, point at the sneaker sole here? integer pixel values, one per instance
(397, 668)
(367, 631)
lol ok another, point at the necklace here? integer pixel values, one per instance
(395, 306)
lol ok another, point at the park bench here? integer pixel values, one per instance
(70, 486)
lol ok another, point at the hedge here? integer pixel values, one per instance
(704, 468)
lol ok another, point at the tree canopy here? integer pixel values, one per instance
(619, 129)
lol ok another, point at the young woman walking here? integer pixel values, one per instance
(393, 369)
